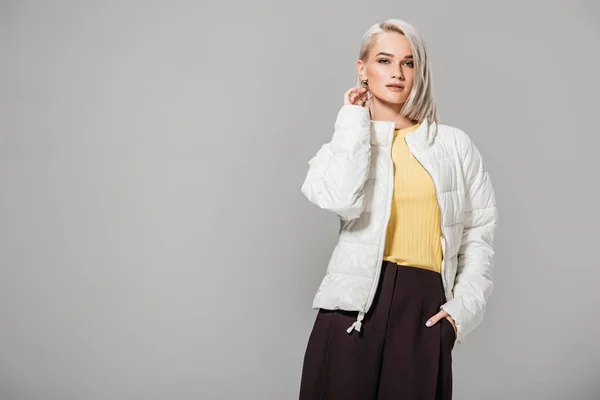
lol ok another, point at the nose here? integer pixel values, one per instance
(398, 73)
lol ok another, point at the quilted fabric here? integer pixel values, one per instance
(352, 175)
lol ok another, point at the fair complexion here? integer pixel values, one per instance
(389, 69)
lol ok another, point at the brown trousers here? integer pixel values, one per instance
(394, 356)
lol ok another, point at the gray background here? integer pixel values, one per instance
(154, 243)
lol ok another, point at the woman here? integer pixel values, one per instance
(411, 271)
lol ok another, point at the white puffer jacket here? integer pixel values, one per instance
(352, 175)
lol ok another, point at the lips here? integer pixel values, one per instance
(395, 88)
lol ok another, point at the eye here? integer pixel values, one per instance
(383, 60)
(409, 64)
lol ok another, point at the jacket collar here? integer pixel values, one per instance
(382, 134)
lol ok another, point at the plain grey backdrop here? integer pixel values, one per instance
(154, 243)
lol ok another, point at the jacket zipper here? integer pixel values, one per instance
(387, 220)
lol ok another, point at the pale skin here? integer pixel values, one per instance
(389, 62)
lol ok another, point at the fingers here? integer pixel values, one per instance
(351, 96)
(362, 96)
(355, 96)
(433, 320)
(449, 318)
(442, 314)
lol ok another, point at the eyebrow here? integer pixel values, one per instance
(383, 53)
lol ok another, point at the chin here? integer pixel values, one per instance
(395, 100)
(392, 99)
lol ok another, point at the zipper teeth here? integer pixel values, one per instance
(387, 219)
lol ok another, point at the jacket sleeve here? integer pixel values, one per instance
(337, 173)
(473, 282)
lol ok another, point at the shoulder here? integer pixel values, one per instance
(449, 132)
(466, 150)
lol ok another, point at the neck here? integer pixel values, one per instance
(383, 111)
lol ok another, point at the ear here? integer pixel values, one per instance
(361, 69)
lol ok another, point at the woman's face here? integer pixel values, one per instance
(389, 68)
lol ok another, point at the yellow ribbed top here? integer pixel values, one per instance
(414, 231)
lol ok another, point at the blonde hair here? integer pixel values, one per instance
(420, 103)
